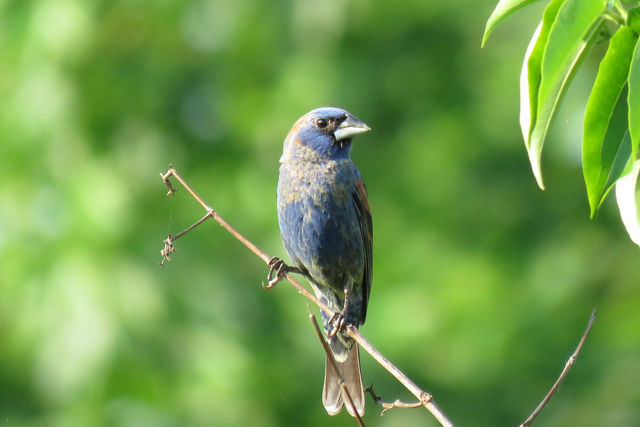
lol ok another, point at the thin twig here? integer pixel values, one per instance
(211, 213)
(334, 365)
(425, 398)
(390, 405)
(253, 248)
(188, 229)
(563, 374)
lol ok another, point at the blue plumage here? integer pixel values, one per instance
(325, 223)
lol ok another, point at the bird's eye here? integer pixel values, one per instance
(321, 123)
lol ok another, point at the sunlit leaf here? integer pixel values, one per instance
(605, 119)
(627, 186)
(503, 10)
(634, 101)
(531, 68)
(627, 196)
(573, 32)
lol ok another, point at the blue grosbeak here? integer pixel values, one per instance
(325, 223)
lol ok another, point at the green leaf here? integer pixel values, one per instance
(621, 163)
(572, 34)
(633, 19)
(503, 10)
(531, 69)
(605, 119)
(634, 101)
(628, 201)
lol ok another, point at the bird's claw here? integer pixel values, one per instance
(339, 318)
(277, 270)
(336, 323)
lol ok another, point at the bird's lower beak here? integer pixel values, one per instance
(350, 127)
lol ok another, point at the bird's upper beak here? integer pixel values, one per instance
(350, 127)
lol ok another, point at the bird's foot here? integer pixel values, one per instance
(339, 318)
(277, 270)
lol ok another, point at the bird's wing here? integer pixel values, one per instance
(361, 201)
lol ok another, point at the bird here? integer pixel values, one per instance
(326, 229)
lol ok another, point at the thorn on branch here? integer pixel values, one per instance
(387, 406)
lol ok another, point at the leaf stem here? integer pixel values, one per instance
(617, 4)
(614, 17)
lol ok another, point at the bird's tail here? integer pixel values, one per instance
(332, 396)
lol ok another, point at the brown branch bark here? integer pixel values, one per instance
(563, 374)
(425, 398)
(390, 405)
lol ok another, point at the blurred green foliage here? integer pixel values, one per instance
(482, 284)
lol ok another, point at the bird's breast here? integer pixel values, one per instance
(318, 221)
(317, 183)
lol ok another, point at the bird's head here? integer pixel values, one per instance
(322, 134)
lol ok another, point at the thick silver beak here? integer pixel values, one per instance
(350, 127)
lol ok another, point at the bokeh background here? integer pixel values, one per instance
(483, 284)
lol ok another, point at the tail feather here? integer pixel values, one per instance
(332, 396)
(331, 392)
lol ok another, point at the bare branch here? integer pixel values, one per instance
(425, 398)
(334, 364)
(210, 213)
(563, 374)
(390, 405)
